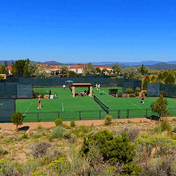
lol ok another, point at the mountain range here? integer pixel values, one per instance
(150, 64)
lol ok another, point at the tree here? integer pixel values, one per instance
(170, 79)
(160, 76)
(98, 70)
(64, 69)
(130, 73)
(89, 69)
(72, 73)
(6, 69)
(19, 66)
(26, 68)
(143, 69)
(116, 68)
(41, 73)
(17, 119)
(104, 71)
(160, 106)
(13, 68)
(165, 74)
(2, 69)
(32, 67)
(146, 81)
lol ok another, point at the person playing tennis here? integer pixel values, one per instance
(39, 104)
(143, 96)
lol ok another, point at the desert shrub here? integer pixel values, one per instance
(108, 119)
(80, 131)
(66, 126)
(174, 119)
(157, 129)
(131, 169)
(132, 133)
(66, 134)
(109, 145)
(58, 131)
(159, 166)
(17, 119)
(29, 167)
(24, 136)
(174, 130)
(129, 90)
(72, 123)
(7, 168)
(39, 173)
(40, 149)
(165, 125)
(36, 136)
(58, 121)
(173, 168)
(2, 151)
(73, 138)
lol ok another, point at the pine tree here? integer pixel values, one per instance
(170, 79)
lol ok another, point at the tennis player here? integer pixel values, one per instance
(63, 87)
(143, 96)
(39, 104)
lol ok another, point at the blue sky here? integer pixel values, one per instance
(88, 31)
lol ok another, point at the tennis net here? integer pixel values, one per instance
(103, 106)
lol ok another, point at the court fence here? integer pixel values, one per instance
(92, 115)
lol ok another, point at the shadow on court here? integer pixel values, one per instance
(153, 117)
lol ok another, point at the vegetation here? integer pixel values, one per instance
(130, 73)
(129, 90)
(72, 123)
(17, 119)
(89, 69)
(143, 69)
(108, 120)
(170, 79)
(58, 121)
(64, 69)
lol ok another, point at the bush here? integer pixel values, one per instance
(157, 129)
(73, 138)
(72, 123)
(109, 145)
(80, 131)
(58, 121)
(58, 132)
(66, 134)
(17, 119)
(39, 150)
(138, 89)
(145, 93)
(129, 90)
(35, 94)
(165, 125)
(108, 119)
(131, 169)
(174, 130)
(2, 151)
(66, 126)
(137, 93)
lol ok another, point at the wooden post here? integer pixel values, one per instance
(90, 91)
(73, 91)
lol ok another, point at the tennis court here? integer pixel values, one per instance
(67, 107)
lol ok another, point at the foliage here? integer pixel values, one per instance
(130, 73)
(160, 76)
(137, 93)
(165, 125)
(41, 73)
(174, 130)
(153, 78)
(131, 169)
(116, 68)
(170, 79)
(80, 131)
(26, 68)
(89, 69)
(72, 73)
(132, 95)
(113, 149)
(108, 119)
(165, 74)
(35, 94)
(29, 167)
(129, 90)
(160, 106)
(104, 71)
(58, 121)
(32, 67)
(17, 119)
(157, 129)
(64, 69)
(143, 69)
(2, 151)
(18, 67)
(58, 131)
(2, 69)
(146, 81)
(40, 149)
(138, 89)
(98, 70)
(1, 77)
(72, 123)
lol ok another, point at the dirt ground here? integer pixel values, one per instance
(33, 125)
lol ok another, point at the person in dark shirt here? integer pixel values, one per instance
(39, 104)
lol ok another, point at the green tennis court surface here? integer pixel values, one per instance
(67, 107)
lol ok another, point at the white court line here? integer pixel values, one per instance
(135, 105)
(28, 108)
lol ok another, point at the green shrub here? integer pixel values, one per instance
(73, 138)
(24, 136)
(80, 131)
(58, 121)
(138, 89)
(157, 129)
(66, 134)
(108, 119)
(109, 145)
(129, 90)
(131, 169)
(174, 119)
(136, 93)
(66, 126)
(35, 94)
(72, 123)
(165, 125)
(174, 130)
(58, 131)
(17, 119)
(40, 149)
